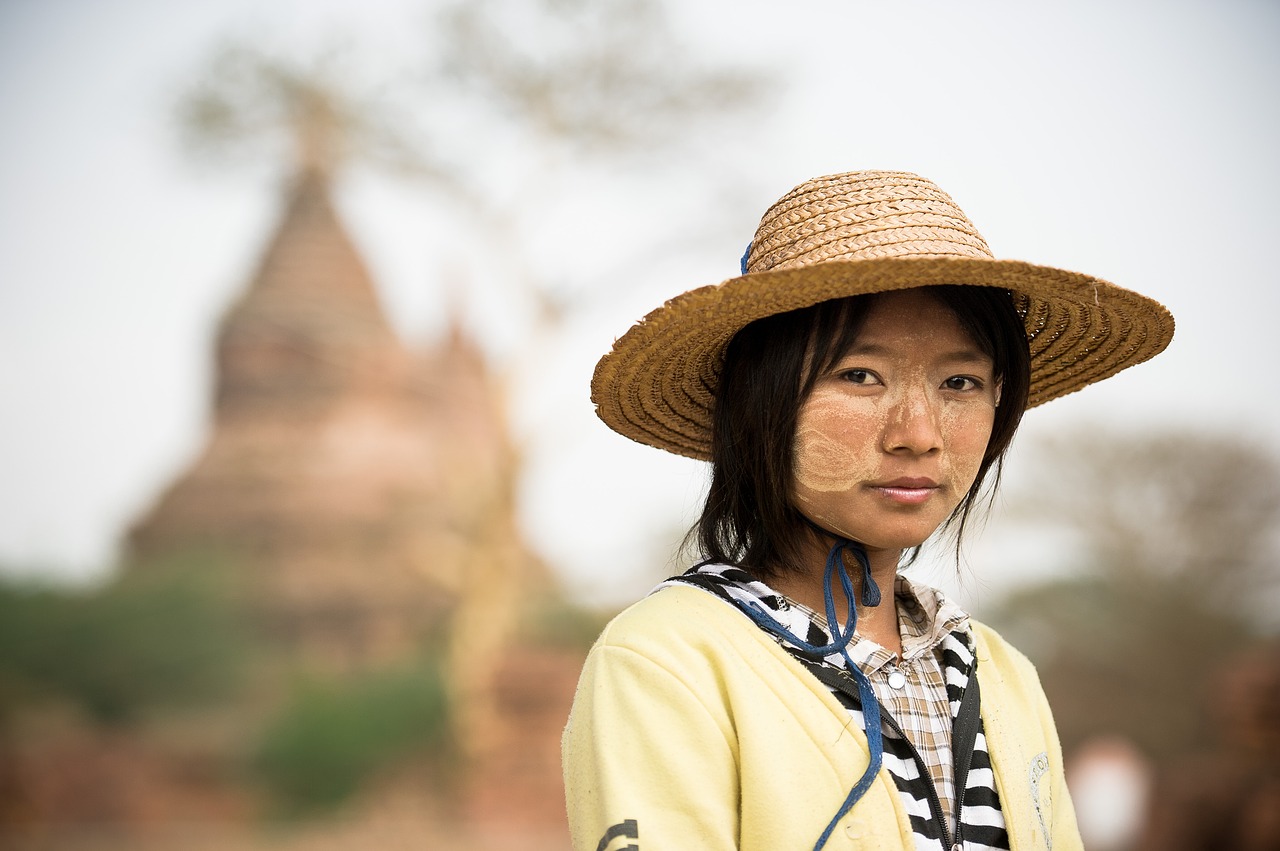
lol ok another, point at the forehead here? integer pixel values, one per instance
(911, 318)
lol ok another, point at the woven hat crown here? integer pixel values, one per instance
(860, 216)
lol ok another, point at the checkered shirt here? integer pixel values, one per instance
(926, 621)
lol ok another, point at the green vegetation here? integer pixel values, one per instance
(334, 736)
(161, 640)
(166, 638)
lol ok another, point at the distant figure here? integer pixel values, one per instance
(1110, 782)
(853, 390)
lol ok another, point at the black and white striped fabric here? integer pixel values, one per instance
(982, 818)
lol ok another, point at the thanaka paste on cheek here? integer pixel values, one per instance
(824, 462)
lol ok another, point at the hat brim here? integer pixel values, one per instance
(657, 385)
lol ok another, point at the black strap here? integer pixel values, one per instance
(964, 735)
(838, 680)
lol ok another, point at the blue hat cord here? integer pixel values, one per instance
(840, 640)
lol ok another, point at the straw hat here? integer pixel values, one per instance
(845, 235)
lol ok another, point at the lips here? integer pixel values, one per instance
(908, 482)
(908, 490)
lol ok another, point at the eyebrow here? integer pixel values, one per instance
(958, 356)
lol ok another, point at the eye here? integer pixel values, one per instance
(859, 376)
(962, 383)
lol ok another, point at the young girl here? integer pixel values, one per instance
(853, 389)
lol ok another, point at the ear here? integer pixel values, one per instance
(999, 389)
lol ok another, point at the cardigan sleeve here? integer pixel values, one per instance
(646, 762)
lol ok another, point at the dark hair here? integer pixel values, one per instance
(770, 368)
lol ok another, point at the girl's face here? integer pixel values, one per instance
(891, 437)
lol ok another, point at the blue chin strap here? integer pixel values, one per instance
(840, 639)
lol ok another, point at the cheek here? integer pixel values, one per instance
(968, 433)
(833, 448)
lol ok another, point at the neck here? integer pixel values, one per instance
(877, 623)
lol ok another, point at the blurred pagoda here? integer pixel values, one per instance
(356, 489)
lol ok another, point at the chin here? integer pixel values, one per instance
(900, 539)
(881, 531)
(896, 544)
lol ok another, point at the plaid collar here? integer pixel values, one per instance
(925, 615)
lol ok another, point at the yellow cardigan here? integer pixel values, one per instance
(693, 729)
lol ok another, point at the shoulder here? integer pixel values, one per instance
(677, 619)
(693, 637)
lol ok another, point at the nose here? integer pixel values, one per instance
(913, 425)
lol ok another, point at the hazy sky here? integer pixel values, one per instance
(1136, 141)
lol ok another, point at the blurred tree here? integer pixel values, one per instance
(1174, 547)
(589, 78)
(513, 103)
(150, 642)
(554, 99)
(249, 106)
(518, 108)
(333, 736)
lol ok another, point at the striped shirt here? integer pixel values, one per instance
(919, 696)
